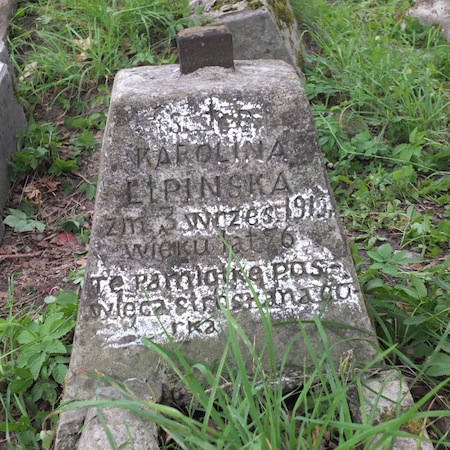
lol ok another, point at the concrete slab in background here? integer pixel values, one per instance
(385, 397)
(264, 29)
(434, 12)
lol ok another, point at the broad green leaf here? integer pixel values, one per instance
(46, 436)
(60, 166)
(406, 173)
(27, 353)
(27, 336)
(54, 346)
(62, 329)
(35, 363)
(38, 225)
(23, 373)
(21, 222)
(420, 287)
(415, 320)
(52, 322)
(439, 365)
(390, 270)
(375, 284)
(13, 426)
(17, 386)
(59, 373)
(17, 214)
(44, 390)
(385, 251)
(421, 349)
(375, 256)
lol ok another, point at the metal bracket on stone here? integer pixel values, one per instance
(211, 45)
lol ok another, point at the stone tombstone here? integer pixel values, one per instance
(188, 162)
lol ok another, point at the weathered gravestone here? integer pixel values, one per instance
(186, 159)
(262, 29)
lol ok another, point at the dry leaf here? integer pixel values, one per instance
(49, 184)
(28, 70)
(32, 193)
(85, 44)
(66, 239)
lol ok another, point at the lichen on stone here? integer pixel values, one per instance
(225, 5)
(413, 426)
(255, 4)
(300, 58)
(282, 12)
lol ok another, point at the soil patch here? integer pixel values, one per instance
(33, 264)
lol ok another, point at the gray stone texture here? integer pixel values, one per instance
(385, 397)
(184, 159)
(434, 12)
(6, 9)
(260, 29)
(12, 119)
(130, 432)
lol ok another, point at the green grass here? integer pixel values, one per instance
(378, 83)
(69, 51)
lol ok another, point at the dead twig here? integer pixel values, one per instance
(21, 255)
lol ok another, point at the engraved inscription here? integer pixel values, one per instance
(301, 280)
(168, 190)
(306, 206)
(184, 154)
(205, 178)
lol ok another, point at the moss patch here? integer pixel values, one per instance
(282, 12)
(255, 4)
(300, 58)
(219, 4)
(413, 426)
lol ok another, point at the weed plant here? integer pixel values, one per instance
(35, 349)
(69, 51)
(378, 84)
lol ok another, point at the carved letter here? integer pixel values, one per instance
(182, 153)
(171, 186)
(203, 153)
(130, 196)
(281, 184)
(163, 157)
(277, 150)
(204, 183)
